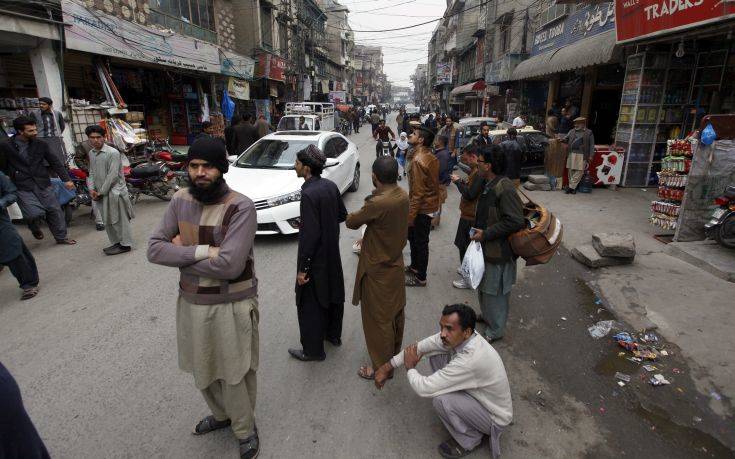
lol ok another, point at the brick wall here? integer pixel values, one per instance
(130, 10)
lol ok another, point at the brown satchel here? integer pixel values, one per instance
(538, 241)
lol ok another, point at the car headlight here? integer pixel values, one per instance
(284, 199)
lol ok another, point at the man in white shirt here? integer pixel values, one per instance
(519, 121)
(468, 384)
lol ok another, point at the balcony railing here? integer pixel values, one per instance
(183, 27)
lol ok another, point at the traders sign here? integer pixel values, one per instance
(647, 18)
(100, 33)
(270, 66)
(583, 23)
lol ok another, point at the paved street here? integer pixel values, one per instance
(95, 357)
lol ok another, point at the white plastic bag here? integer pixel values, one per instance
(473, 264)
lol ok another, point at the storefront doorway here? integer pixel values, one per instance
(603, 116)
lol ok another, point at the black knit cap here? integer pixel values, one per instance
(212, 150)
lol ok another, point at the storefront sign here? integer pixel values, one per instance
(238, 89)
(101, 33)
(501, 70)
(586, 22)
(270, 66)
(263, 107)
(646, 18)
(443, 73)
(236, 66)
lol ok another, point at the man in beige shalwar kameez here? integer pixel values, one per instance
(581, 146)
(208, 232)
(379, 283)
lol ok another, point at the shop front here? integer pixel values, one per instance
(468, 98)
(680, 67)
(574, 62)
(503, 102)
(269, 86)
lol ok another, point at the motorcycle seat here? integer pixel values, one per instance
(730, 191)
(146, 170)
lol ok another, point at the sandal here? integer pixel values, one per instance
(250, 447)
(66, 241)
(37, 233)
(409, 270)
(29, 293)
(366, 372)
(210, 424)
(450, 449)
(413, 281)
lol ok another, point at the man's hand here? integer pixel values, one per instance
(212, 252)
(177, 241)
(69, 185)
(95, 196)
(478, 236)
(411, 356)
(382, 374)
(302, 278)
(455, 178)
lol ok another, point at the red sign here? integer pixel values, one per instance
(636, 19)
(271, 67)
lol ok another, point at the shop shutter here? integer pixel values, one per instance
(19, 70)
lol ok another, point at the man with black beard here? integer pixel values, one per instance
(208, 232)
(320, 289)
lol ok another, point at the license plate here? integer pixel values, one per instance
(717, 213)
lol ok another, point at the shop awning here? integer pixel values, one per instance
(589, 51)
(468, 88)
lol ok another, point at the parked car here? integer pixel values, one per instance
(533, 144)
(265, 173)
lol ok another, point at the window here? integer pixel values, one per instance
(506, 28)
(330, 148)
(552, 13)
(283, 39)
(266, 29)
(340, 145)
(194, 18)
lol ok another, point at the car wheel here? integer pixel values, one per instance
(355, 180)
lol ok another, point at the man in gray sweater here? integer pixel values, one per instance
(208, 233)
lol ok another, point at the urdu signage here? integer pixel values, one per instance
(586, 22)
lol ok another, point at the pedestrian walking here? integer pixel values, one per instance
(402, 151)
(513, 153)
(379, 287)
(23, 158)
(581, 143)
(469, 191)
(13, 251)
(19, 438)
(355, 120)
(320, 290)
(424, 199)
(499, 214)
(107, 186)
(244, 134)
(51, 127)
(444, 157)
(208, 232)
(262, 127)
(82, 158)
(468, 385)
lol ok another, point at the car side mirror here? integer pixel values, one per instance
(232, 158)
(331, 162)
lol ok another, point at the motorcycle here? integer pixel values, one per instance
(385, 148)
(152, 178)
(721, 226)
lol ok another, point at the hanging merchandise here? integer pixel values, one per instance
(228, 106)
(672, 180)
(307, 88)
(205, 108)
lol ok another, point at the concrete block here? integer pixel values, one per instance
(587, 255)
(614, 244)
(537, 186)
(540, 179)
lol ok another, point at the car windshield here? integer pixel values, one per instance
(272, 154)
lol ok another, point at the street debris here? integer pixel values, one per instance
(649, 368)
(621, 384)
(622, 376)
(601, 328)
(715, 395)
(658, 380)
(645, 346)
(563, 318)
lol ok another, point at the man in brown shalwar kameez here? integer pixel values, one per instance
(379, 282)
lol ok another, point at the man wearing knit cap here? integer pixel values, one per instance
(208, 232)
(320, 290)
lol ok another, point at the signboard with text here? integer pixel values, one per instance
(443, 73)
(583, 23)
(237, 66)
(101, 33)
(646, 18)
(270, 66)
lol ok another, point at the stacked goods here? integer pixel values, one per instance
(537, 183)
(607, 249)
(672, 180)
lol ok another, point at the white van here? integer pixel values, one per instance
(318, 116)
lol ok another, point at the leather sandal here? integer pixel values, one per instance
(250, 447)
(210, 424)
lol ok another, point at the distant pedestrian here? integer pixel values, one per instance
(581, 146)
(424, 202)
(51, 127)
(107, 186)
(468, 385)
(13, 251)
(451, 131)
(469, 190)
(565, 122)
(81, 159)
(499, 214)
(207, 130)
(355, 120)
(375, 120)
(19, 438)
(208, 232)
(262, 126)
(445, 164)
(379, 286)
(484, 137)
(245, 135)
(520, 121)
(401, 153)
(24, 158)
(513, 152)
(320, 290)
(552, 124)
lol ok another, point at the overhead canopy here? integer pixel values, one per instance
(468, 88)
(583, 53)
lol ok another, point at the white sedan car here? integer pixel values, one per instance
(265, 173)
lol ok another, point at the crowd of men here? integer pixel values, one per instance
(208, 230)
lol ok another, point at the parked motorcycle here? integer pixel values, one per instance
(152, 178)
(721, 226)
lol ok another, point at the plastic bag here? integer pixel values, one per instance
(708, 134)
(473, 264)
(600, 329)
